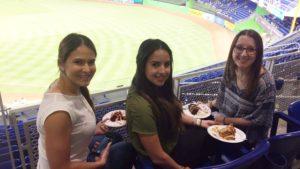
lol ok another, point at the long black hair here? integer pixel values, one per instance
(70, 43)
(165, 105)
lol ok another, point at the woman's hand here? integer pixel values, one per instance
(186, 168)
(207, 123)
(211, 103)
(219, 117)
(101, 128)
(104, 155)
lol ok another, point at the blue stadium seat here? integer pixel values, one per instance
(6, 165)
(287, 144)
(294, 111)
(279, 83)
(246, 161)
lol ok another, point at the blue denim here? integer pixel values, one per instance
(121, 156)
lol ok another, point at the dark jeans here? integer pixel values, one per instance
(193, 147)
(121, 156)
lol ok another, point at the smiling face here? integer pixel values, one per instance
(244, 52)
(79, 68)
(158, 67)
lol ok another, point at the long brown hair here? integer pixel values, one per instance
(229, 73)
(70, 43)
(165, 105)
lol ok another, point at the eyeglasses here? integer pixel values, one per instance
(240, 49)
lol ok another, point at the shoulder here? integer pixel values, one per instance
(266, 80)
(137, 106)
(55, 102)
(134, 98)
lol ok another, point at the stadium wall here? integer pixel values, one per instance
(192, 8)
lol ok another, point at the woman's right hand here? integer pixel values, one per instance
(101, 128)
(211, 103)
(186, 168)
(104, 156)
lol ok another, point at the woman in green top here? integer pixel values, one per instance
(154, 114)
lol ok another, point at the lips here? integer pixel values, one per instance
(161, 78)
(85, 77)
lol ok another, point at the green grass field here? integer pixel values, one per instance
(30, 32)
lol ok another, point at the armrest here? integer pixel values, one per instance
(285, 117)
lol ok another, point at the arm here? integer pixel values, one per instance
(262, 113)
(58, 129)
(188, 120)
(158, 156)
(234, 120)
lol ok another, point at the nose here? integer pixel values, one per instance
(163, 69)
(244, 52)
(86, 68)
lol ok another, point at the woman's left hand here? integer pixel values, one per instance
(207, 123)
(101, 127)
(219, 117)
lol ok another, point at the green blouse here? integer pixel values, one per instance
(141, 120)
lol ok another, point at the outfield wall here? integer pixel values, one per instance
(188, 8)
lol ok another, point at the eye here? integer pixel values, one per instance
(92, 62)
(79, 62)
(156, 64)
(239, 48)
(251, 50)
(167, 64)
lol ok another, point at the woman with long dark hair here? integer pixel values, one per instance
(156, 124)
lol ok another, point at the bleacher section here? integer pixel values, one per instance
(232, 10)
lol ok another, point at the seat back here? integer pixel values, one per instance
(287, 144)
(294, 111)
(279, 83)
(246, 161)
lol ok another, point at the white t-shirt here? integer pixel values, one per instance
(83, 124)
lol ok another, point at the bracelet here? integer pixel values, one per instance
(194, 122)
(224, 120)
(198, 122)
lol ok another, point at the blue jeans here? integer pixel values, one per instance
(121, 156)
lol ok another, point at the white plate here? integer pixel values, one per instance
(203, 112)
(240, 136)
(110, 123)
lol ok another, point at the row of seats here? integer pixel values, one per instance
(239, 9)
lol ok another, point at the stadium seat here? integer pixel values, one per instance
(294, 111)
(279, 83)
(6, 165)
(287, 144)
(249, 160)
